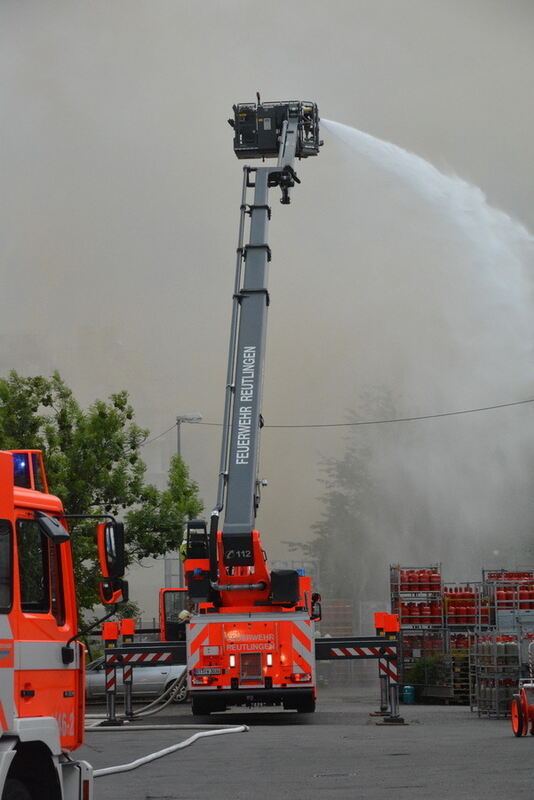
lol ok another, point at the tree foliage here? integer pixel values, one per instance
(347, 546)
(342, 541)
(93, 463)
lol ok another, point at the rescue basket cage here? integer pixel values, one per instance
(259, 126)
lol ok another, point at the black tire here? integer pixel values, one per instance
(306, 705)
(199, 707)
(15, 790)
(181, 695)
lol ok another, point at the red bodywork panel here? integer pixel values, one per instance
(251, 651)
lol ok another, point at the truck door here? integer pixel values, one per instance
(172, 603)
(44, 685)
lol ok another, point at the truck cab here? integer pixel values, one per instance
(42, 685)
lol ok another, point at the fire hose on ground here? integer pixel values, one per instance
(167, 696)
(100, 773)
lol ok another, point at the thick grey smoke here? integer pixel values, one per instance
(119, 216)
(458, 333)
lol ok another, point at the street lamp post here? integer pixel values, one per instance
(184, 418)
(167, 561)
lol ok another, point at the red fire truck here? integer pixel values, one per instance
(250, 637)
(42, 691)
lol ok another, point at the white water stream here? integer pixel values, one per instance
(502, 244)
(463, 315)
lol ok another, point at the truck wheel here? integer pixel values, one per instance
(516, 714)
(306, 705)
(15, 790)
(181, 694)
(199, 707)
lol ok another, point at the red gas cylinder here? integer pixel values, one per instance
(461, 615)
(451, 613)
(435, 581)
(413, 614)
(531, 596)
(421, 580)
(403, 580)
(435, 612)
(470, 613)
(424, 610)
(510, 598)
(524, 597)
(500, 599)
(413, 581)
(404, 614)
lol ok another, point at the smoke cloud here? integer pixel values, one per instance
(119, 225)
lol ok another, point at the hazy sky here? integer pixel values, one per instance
(120, 198)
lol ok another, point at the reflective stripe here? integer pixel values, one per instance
(357, 651)
(42, 655)
(111, 680)
(389, 668)
(304, 654)
(138, 658)
(7, 675)
(6, 654)
(197, 633)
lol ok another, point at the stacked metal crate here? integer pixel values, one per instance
(416, 596)
(464, 642)
(495, 666)
(436, 621)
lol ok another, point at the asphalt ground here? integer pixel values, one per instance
(444, 753)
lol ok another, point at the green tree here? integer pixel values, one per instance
(342, 539)
(93, 463)
(346, 546)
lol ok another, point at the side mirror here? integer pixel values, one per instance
(316, 610)
(110, 541)
(113, 591)
(52, 528)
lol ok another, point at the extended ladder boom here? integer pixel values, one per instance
(250, 639)
(287, 131)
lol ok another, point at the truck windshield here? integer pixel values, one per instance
(5, 566)
(174, 602)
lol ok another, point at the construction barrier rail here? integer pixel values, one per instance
(346, 647)
(146, 655)
(138, 655)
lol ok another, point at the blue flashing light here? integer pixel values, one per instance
(21, 470)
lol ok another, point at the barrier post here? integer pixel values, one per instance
(392, 631)
(383, 677)
(127, 630)
(110, 635)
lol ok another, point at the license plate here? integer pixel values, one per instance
(208, 671)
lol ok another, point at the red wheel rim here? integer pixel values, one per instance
(517, 717)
